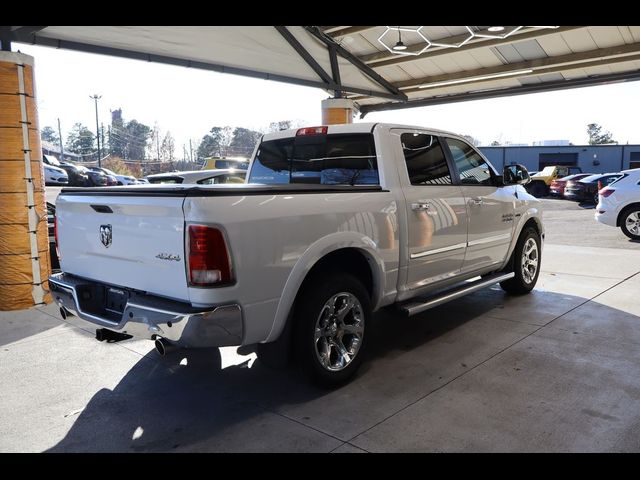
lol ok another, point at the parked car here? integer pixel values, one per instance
(77, 174)
(331, 226)
(111, 177)
(120, 179)
(217, 163)
(541, 181)
(96, 178)
(202, 177)
(51, 221)
(619, 204)
(557, 186)
(55, 176)
(50, 160)
(586, 189)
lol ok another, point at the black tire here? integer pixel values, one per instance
(519, 285)
(626, 213)
(312, 310)
(538, 189)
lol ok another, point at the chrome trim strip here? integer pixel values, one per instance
(495, 238)
(438, 250)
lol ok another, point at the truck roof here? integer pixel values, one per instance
(360, 127)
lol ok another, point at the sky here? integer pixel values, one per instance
(188, 102)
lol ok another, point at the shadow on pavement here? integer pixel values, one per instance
(163, 405)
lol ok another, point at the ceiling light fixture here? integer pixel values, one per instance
(475, 79)
(400, 48)
(495, 29)
(399, 45)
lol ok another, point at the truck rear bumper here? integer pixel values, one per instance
(149, 316)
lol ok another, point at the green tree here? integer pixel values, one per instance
(48, 134)
(137, 136)
(127, 140)
(216, 142)
(244, 141)
(80, 140)
(598, 136)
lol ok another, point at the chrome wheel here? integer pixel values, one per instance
(632, 223)
(529, 260)
(339, 331)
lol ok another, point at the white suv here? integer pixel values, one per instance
(619, 204)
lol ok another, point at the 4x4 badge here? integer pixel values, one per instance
(106, 235)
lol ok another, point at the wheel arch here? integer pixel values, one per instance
(530, 218)
(338, 251)
(623, 210)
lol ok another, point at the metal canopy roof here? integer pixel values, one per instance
(455, 64)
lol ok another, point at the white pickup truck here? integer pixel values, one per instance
(334, 223)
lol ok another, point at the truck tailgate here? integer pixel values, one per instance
(129, 241)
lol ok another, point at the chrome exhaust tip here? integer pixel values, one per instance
(163, 347)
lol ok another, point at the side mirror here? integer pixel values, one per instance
(515, 175)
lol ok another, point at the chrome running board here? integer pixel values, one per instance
(418, 305)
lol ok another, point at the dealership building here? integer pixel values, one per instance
(590, 158)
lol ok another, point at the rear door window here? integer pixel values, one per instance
(425, 160)
(338, 159)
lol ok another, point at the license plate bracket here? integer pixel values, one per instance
(115, 299)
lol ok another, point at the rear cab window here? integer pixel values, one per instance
(334, 159)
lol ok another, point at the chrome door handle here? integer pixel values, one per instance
(420, 206)
(477, 200)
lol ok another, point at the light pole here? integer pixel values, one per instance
(97, 97)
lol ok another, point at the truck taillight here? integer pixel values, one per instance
(311, 131)
(606, 192)
(209, 261)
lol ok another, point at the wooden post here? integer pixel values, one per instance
(337, 110)
(24, 238)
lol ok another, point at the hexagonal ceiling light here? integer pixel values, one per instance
(497, 32)
(399, 48)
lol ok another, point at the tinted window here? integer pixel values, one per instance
(425, 160)
(166, 180)
(322, 159)
(231, 164)
(473, 169)
(235, 178)
(609, 179)
(592, 178)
